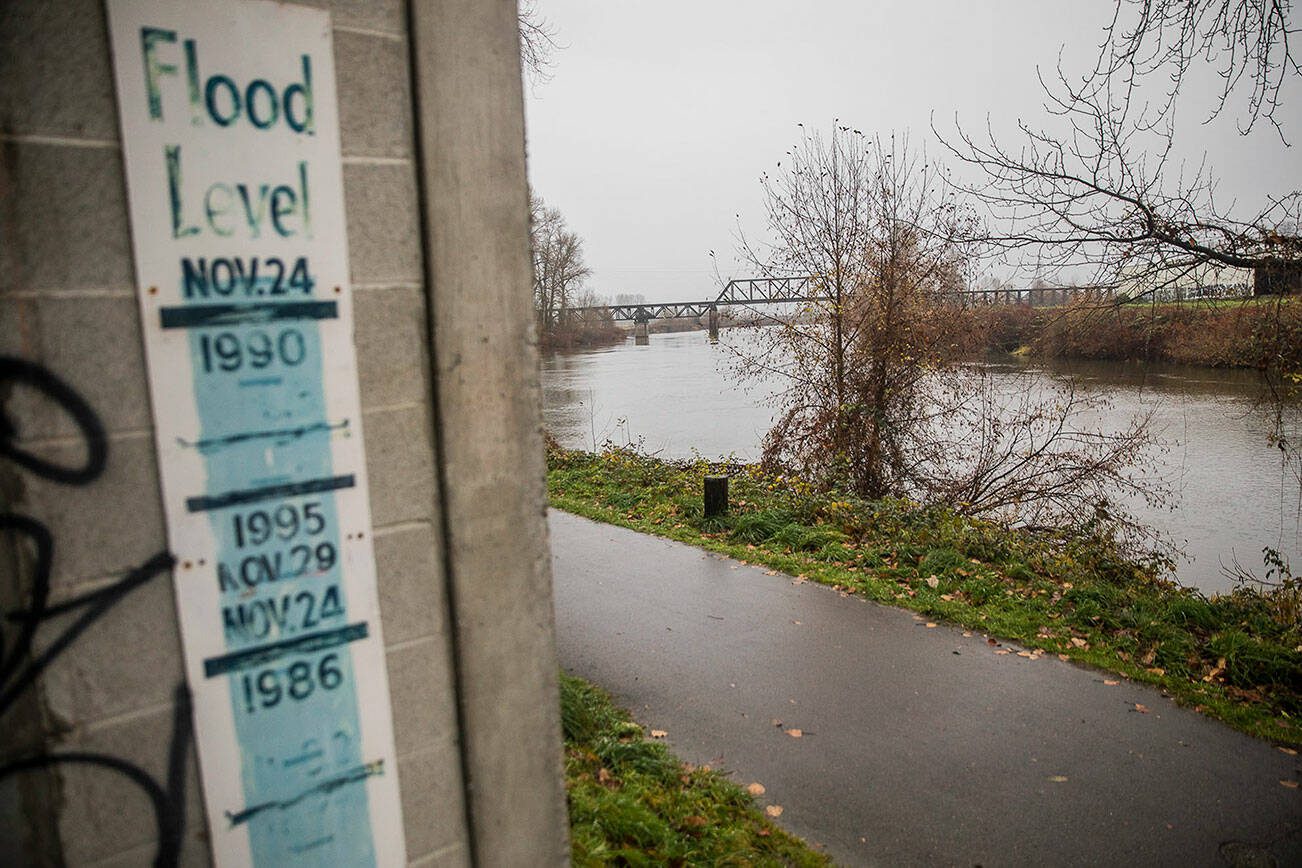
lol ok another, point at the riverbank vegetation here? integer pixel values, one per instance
(1074, 592)
(1261, 333)
(559, 284)
(632, 803)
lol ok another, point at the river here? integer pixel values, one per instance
(1230, 493)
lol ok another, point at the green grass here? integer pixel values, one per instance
(632, 803)
(1073, 593)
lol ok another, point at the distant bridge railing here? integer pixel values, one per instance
(787, 290)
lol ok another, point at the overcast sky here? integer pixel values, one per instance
(659, 117)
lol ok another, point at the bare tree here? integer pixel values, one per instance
(558, 267)
(874, 392)
(537, 42)
(1246, 41)
(847, 211)
(1097, 189)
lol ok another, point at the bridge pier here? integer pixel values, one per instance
(714, 324)
(641, 337)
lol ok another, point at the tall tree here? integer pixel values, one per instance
(873, 391)
(558, 267)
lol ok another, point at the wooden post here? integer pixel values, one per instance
(716, 496)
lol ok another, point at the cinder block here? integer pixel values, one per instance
(194, 854)
(433, 811)
(383, 245)
(55, 77)
(410, 576)
(20, 336)
(91, 343)
(387, 16)
(424, 704)
(111, 525)
(391, 333)
(374, 98)
(129, 659)
(67, 217)
(106, 814)
(400, 465)
(456, 856)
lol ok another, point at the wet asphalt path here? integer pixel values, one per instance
(919, 746)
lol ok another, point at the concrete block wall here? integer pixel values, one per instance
(450, 414)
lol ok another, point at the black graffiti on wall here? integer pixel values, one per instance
(19, 666)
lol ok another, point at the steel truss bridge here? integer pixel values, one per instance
(749, 291)
(786, 290)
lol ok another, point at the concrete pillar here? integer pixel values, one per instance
(714, 325)
(641, 336)
(431, 122)
(470, 134)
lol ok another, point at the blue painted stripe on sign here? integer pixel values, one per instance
(279, 564)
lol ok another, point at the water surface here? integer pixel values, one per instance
(1230, 493)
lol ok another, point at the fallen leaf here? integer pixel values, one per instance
(1141, 708)
(1155, 670)
(947, 597)
(967, 634)
(773, 811)
(603, 776)
(1064, 657)
(1288, 750)
(990, 641)
(658, 733)
(933, 582)
(931, 624)
(1024, 654)
(797, 623)
(794, 733)
(1292, 785)
(1058, 779)
(1003, 651)
(1110, 683)
(695, 822)
(763, 833)
(770, 572)
(1079, 642)
(756, 789)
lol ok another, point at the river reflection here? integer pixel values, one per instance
(1231, 494)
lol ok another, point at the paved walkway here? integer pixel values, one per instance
(919, 745)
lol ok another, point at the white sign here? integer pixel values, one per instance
(230, 136)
